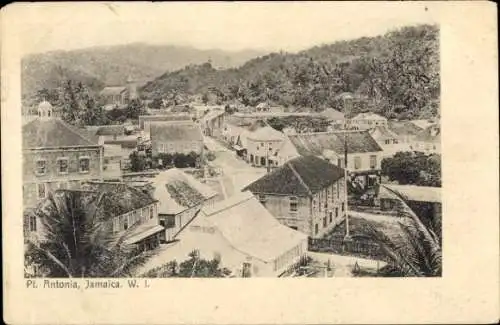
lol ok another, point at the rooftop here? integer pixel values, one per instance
(301, 176)
(175, 132)
(368, 116)
(404, 127)
(178, 191)
(250, 228)
(108, 91)
(315, 143)
(54, 133)
(381, 132)
(266, 133)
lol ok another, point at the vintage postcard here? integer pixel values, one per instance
(294, 162)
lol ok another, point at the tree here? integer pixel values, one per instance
(77, 241)
(156, 103)
(137, 162)
(134, 109)
(415, 251)
(413, 168)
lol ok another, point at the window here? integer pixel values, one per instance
(42, 192)
(337, 212)
(387, 141)
(331, 216)
(293, 204)
(395, 141)
(316, 229)
(151, 213)
(41, 167)
(170, 222)
(84, 165)
(144, 213)
(357, 162)
(373, 162)
(324, 222)
(125, 222)
(62, 165)
(32, 223)
(262, 198)
(343, 206)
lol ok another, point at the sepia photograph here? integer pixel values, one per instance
(232, 140)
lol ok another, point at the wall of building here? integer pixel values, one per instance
(52, 178)
(326, 204)
(176, 147)
(263, 149)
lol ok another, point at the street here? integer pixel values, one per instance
(236, 173)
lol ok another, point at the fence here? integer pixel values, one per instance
(356, 247)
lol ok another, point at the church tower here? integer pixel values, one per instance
(132, 88)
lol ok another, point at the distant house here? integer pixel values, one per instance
(146, 120)
(406, 132)
(263, 145)
(306, 193)
(429, 140)
(422, 124)
(334, 117)
(56, 155)
(364, 155)
(244, 236)
(424, 201)
(176, 137)
(180, 197)
(366, 121)
(124, 210)
(387, 140)
(119, 95)
(212, 123)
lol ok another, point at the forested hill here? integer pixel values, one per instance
(396, 75)
(111, 65)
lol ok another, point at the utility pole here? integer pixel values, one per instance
(347, 98)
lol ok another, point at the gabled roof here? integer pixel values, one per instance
(111, 130)
(368, 116)
(266, 133)
(423, 124)
(108, 91)
(332, 114)
(302, 176)
(178, 191)
(404, 127)
(431, 134)
(315, 143)
(175, 132)
(381, 132)
(411, 192)
(249, 227)
(119, 198)
(54, 133)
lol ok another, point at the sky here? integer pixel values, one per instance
(229, 26)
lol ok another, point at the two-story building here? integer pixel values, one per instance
(117, 96)
(307, 194)
(263, 145)
(366, 121)
(406, 132)
(364, 155)
(56, 155)
(243, 236)
(180, 197)
(176, 137)
(429, 140)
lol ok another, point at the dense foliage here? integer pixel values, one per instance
(299, 124)
(414, 168)
(396, 75)
(179, 160)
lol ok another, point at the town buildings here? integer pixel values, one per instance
(307, 194)
(180, 197)
(126, 213)
(406, 132)
(56, 156)
(429, 140)
(364, 155)
(244, 236)
(334, 117)
(176, 137)
(213, 122)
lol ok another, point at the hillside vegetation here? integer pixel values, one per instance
(396, 75)
(100, 66)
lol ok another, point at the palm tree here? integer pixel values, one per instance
(414, 251)
(76, 241)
